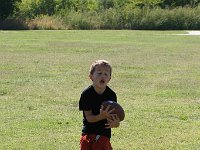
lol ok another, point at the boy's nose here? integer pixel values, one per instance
(103, 75)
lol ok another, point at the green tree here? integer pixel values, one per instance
(34, 8)
(175, 3)
(6, 8)
(106, 4)
(77, 5)
(147, 3)
(43, 7)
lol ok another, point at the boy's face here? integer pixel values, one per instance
(100, 77)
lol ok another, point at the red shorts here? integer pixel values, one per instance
(92, 142)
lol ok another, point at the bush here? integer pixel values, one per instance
(46, 23)
(109, 19)
(181, 18)
(193, 19)
(81, 20)
(163, 19)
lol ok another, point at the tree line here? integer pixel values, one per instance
(107, 11)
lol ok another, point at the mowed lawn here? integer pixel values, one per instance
(156, 76)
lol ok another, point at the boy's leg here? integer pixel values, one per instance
(90, 142)
(103, 143)
(85, 143)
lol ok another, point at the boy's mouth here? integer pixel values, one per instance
(102, 81)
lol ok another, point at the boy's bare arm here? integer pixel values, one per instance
(102, 115)
(92, 118)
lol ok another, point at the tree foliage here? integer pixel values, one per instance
(33, 8)
(102, 14)
(175, 3)
(6, 8)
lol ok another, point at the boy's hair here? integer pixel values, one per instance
(100, 63)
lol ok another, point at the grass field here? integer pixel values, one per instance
(156, 76)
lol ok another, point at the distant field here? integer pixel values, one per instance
(156, 76)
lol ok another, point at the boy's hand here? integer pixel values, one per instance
(106, 113)
(113, 121)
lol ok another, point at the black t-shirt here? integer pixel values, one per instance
(91, 100)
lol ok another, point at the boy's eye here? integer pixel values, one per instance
(100, 73)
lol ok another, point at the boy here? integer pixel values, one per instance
(97, 120)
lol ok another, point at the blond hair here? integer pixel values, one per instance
(100, 63)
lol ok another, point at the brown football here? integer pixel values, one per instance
(118, 109)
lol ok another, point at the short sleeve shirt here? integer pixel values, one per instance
(91, 100)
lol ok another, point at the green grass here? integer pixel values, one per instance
(156, 76)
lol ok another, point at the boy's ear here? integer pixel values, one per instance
(90, 76)
(110, 78)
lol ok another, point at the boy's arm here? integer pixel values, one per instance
(92, 118)
(102, 115)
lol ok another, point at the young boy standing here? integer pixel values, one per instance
(97, 120)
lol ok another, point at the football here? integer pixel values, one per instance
(118, 109)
